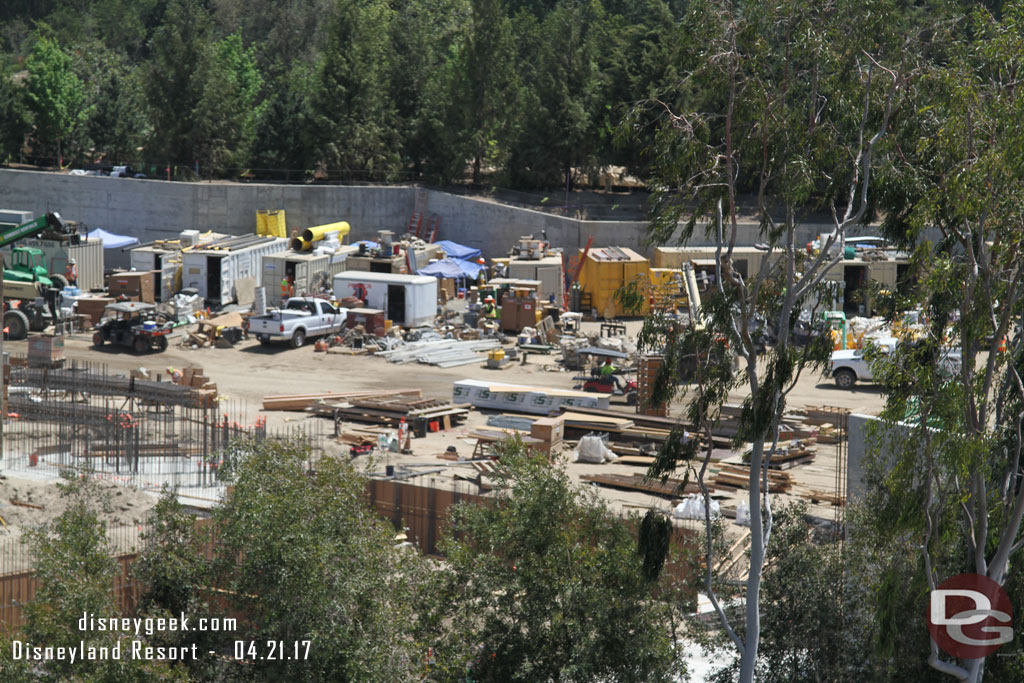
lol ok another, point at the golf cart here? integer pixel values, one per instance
(129, 323)
(594, 381)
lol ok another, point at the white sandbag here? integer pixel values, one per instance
(592, 449)
(692, 507)
(743, 513)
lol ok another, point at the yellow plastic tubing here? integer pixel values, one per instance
(319, 232)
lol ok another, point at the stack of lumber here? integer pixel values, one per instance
(300, 402)
(671, 488)
(620, 427)
(829, 434)
(738, 477)
(788, 455)
(797, 423)
(817, 496)
(420, 413)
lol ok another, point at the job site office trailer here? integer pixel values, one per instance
(304, 270)
(214, 270)
(408, 300)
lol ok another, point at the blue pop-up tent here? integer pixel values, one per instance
(459, 251)
(110, 240)
(452, 268)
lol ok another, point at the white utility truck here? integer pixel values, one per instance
(299, 319)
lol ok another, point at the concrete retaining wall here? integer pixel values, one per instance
(156, 209)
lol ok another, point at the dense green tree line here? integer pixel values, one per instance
(526, 94)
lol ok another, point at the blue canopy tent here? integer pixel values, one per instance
(110, 240)
(452, 268)
(458, 251)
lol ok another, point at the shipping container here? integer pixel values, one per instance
(303, 269)
(408, 300)
(605, 271)
(214, 269)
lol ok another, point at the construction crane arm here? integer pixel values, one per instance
(51, 220)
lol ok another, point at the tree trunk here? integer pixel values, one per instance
(752, 636)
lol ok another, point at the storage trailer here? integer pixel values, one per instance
(408, 300)
(214, 269)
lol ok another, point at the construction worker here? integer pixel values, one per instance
(489, 310)
(71, 273)
(287, 289)
(608, 371)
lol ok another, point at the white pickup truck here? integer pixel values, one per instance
(850, 366)
(300, 319)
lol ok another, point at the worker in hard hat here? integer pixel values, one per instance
(489, 310)
(71, 273)
(608, 371)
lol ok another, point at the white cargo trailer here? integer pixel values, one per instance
(214, 269)
(408, 300)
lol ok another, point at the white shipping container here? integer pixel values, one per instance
(213, 272)
(303, 269)
(408, 300)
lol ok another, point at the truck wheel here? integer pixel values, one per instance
(97, 339)
(298, 338)
(16, 323)
(141, 345)
(263, 339)
(36, 321)
(845, 379)
(161, 343)
(59, 281)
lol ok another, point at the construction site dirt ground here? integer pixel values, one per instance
(248, 372)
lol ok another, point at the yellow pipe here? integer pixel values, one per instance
(299, 244)
(315, 234)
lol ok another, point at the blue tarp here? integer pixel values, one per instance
(452, 268)
(459, 251)
(110, 240)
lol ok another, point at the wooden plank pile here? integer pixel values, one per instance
(671, 488)
(738, 477)
(797, 423)
(302, 402)
(421, 414)
(788, 455)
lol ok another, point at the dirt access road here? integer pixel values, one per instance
(249, 371)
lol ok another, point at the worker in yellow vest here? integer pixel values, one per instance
(489, 310)
(71, 273)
